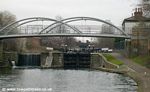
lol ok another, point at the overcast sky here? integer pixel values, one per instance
(114, 10)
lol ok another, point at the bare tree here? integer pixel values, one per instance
(61, 27)
(145, 5)
(5, 19)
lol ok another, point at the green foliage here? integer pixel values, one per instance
(119, 43)
(112, 59)
(142, 60)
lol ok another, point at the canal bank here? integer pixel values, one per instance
(126, 71)
(138, 73)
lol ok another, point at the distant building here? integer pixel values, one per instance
(33, 44)
(138, 27)
(106, 42)
(107, 29)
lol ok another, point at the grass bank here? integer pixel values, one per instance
(142, 60)
(112, 59)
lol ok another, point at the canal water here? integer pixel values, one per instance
(66, 80)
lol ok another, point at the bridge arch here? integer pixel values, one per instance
(33, 19)
(72, 19)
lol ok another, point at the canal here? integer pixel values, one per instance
(59, 80)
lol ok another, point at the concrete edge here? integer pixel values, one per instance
(105, 59)
(126, 71)
(132, 74)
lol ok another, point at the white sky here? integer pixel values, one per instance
(114, 10)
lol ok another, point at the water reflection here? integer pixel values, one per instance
(66, 80)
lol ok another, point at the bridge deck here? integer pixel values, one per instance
(63, 35)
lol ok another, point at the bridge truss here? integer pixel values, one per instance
(57, 28)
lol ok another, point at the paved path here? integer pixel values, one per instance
(143, 72)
